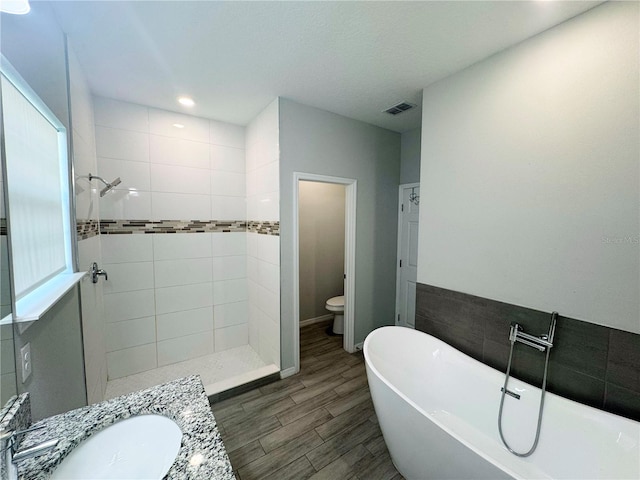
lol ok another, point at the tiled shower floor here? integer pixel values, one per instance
(218, 372)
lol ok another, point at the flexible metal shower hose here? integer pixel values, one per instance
(504, 392)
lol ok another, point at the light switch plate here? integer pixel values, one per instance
(25, 357)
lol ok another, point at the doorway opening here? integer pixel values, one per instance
(407, 263)
(316, 252)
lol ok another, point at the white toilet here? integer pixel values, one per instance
(336, 306)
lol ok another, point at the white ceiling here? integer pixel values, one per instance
(351, 58)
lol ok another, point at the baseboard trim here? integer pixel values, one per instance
(311, 321)
(359, 346)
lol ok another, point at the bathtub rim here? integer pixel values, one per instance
(426, 414)
(440, 343)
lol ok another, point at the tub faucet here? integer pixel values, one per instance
(540, 342)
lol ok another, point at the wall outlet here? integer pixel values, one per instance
(25, 360)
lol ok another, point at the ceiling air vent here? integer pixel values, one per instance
(399, 108)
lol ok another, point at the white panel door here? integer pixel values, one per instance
(407, 255)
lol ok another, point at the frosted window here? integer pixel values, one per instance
(37, 185)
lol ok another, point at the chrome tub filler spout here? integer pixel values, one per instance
(542, 343)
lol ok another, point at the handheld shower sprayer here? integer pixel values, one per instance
(108, 186)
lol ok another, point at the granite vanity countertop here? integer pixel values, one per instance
(202, 455)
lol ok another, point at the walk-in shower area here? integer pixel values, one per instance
(189, 243)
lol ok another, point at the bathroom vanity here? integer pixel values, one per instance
(200, 453)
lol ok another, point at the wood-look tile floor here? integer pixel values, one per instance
(318, 424)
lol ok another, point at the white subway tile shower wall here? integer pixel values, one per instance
(187, 271)
(263, 251)
(87, 213)
(185, 347)
(263, 279)
(189, 290)
(116, 114)
(262, 166)
(174, 151)
(174, 297)
(173, 206)
(169, 173)
(173, 325)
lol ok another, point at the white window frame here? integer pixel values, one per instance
(33, 304)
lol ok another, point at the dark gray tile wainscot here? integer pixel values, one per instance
(591, 364)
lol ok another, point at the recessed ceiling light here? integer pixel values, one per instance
(178, 125)
(19, 7)
(186, 101)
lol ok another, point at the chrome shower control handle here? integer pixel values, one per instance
(95, 271)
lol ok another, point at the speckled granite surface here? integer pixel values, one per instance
(202, 455)
(15, 416)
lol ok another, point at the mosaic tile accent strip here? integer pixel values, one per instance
(263, 227)
(128, 227)
(87, 229)
(124, 227)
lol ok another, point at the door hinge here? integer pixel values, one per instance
(402, 207)
(398, 318)
(400, 263)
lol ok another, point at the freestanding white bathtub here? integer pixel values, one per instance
(438, 411)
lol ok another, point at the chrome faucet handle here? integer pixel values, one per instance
(95, 272)
(34, 450)
(552, 326)
(10, 436)
(6, 434)
(513, 332)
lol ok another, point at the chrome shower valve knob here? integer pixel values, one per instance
(95, 272)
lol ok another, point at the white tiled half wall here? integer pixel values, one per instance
(89, 251)
(263, 165)
(263, 278)
(263, 251)
(175, 297)
(93, 325)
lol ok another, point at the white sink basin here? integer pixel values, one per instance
(141, 447)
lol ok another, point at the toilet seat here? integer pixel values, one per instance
(335, 304)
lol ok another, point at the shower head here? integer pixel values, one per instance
(108, 186)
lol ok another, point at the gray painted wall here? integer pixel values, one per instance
(56, 384)
(34, 44)
(410, 156)
(530, 173)
(320, 142)
(321, 225)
